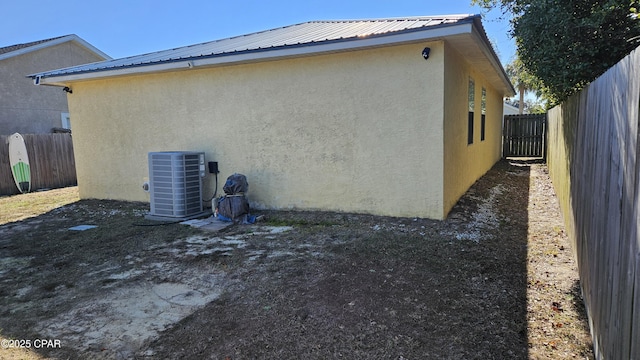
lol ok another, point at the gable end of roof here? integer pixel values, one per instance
(20, 49)
(11, 48)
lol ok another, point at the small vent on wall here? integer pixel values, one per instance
(175, 184)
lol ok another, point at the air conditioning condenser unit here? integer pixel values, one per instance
(175, 185)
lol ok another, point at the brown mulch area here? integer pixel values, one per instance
(496, 280)
(558, 325)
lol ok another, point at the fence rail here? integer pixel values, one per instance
(594, 162)
(51, 159)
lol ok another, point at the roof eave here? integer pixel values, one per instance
(492, 57)
(467, 28)
(263, 54)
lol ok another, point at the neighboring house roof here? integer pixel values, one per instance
(10, 48)
(465, 32)
(19, 49)
(509, 109)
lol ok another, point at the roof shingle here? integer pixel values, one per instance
(11, 48)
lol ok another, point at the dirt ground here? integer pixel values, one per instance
(496, 280)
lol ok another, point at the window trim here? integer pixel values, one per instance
(471, 107)
(483, 113)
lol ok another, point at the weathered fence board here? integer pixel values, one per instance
(524, 135)
(593, 162)
(51, 158)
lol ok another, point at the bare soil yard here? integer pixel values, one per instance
(496, 280)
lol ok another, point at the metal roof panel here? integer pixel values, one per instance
(464, 32)
(308, 33)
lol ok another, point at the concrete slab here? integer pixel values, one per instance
(211, 223)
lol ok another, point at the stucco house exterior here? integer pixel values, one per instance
(392, 117)
(28, 109)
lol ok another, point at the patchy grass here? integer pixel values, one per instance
(494, 281)
(283, 218)
(47, 268)
(19, 207)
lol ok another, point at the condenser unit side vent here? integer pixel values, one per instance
(175, 184)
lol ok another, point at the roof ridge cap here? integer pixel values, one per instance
(396, 18)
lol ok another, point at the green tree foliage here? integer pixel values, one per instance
(523, 80)
(535, 107)
(513, 6)
(568, 43)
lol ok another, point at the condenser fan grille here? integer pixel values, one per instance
(175, 183)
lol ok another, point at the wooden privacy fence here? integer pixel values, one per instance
(524, 135)
(51, 158)
(594, 162)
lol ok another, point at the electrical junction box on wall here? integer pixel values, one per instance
(175, 185)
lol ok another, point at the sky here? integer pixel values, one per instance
(122, 28)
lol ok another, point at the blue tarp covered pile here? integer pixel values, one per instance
(234, 206)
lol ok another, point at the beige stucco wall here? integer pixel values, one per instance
(358, 131)
(26, 108)
(463, 163)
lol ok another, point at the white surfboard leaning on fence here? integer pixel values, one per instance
(19, 161)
